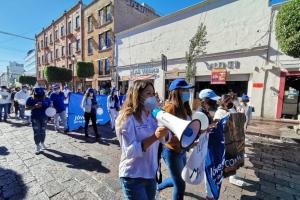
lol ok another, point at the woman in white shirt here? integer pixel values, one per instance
(113, 106)
(138, 134)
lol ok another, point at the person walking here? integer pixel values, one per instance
(247, 109)
(57, 98)
(89, 105)
(38, 103)
(21, 98)
(4, 101)
(139, 136)
(172, 153)
(16, 103)
(113, 106)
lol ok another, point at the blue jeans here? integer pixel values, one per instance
(39, 130)
(138, 188)
(5, 108)
(22, 111)
(175, 163)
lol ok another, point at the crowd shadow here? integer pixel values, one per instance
(194, 196)
(76, 162)
(3, 151)
(12, 185)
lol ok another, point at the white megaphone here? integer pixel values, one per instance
(203, 119)
(186, 131)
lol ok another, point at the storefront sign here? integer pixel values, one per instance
(224, 65)
(143, 70)
(218, 76)
(258, 85)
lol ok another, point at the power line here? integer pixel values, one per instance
(16, 35)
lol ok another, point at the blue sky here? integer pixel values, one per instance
(27, 17)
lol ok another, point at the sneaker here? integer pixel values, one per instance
(43, 146)
(38, 149)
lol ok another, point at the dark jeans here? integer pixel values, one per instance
(87, 117)
(9, 108)
(138, 188)
(175, 163)
(5, 108)
(39, 130)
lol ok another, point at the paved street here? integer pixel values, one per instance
(76, 168)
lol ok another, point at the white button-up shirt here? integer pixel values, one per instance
(134, 162)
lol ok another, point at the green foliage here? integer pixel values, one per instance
(85, 69)
(197, 47)
(29, 80)
(57, 74)
(288, 28)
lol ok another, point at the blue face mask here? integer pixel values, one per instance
(185, 96)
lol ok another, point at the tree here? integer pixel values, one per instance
(84, 70)
(29, 80)
(287, 28)
(197, 47)
(57, 74)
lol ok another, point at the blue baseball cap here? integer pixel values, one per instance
(179, 84)
(55, 86)
(245, 97)
(209, 94)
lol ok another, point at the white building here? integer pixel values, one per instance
(14, 71)
(3, 79)
(29, 63)
(239, 42)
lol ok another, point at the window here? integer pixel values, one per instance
(90, 46)
(107, 39)
(51, 38)
(78, 45)
(90, 24)
(70, 66)
(42, 59)
(38, 45)
(101, 41)
(62, 31)
(107, 66)
(51, 56)
(62, 51)
(46, 41)
(100, 67)
(56, 53)
(56, 34)
(77, 22)
(100, 17)
(108, 13)
(38, 61)
(69, 27)
(42, 43)
(70, 49)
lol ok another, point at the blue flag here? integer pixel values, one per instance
(76, 113)
(215, 158)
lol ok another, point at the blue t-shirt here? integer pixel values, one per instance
(38, 113)
(58, 101)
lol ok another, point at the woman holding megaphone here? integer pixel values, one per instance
(138, 134)
(172, 153)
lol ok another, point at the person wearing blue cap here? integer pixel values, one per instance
(246, 109)
(172, 153)
(38, 104)
(57, 97)
(208, 105)
(89, 105)
(113, 106)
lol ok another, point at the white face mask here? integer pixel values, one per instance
(57, 91)
(150, 103)
(25, 90)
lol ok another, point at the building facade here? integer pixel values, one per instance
(30, 63)
(102, 19)
(60, 44)
(242, 50)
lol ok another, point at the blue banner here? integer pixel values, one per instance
(215, 158)
(76, 113)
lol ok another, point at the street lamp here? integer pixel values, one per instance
(73, 58)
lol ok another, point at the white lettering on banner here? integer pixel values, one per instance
(233, 161)
(78, 119)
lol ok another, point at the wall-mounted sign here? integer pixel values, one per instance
(143, 70)
(218, 76)
(224, 65)
(258, 85)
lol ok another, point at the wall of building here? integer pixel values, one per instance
(130, 13)
(30, 63)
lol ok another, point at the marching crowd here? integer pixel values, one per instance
(142, 139)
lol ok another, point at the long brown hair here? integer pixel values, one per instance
(182, 109)
(133, 104)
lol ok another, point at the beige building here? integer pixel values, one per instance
(60, 43)
(102, 19)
